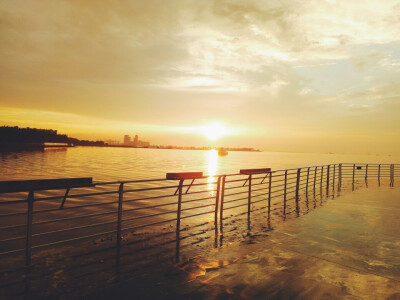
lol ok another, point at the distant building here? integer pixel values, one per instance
(127, 139)
(136, 142)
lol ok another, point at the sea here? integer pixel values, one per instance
(113, 163)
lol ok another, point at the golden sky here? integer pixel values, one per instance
(307, 76)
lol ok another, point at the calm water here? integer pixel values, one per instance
(108, 164)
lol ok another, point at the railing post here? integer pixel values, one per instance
(354, 171)
(216, 205)
(391, 175)
(284, 194)
(297, 190)
(249, 204)
(315, 179)
(119, 220)
(333, 180)
(308, 177)
(65, 198)
(379, 175)
(178, 219)
(322, 178)
(366, 175)
(29, 229)
(221, 211)
(269, 195)
(340, 178)
(327, 180)
(178, 211)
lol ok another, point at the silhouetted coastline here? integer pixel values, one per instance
(16, 138)
(19, 139)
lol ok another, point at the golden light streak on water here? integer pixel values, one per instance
(212, 168)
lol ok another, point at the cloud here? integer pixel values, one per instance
(179, 62)
(80, 41)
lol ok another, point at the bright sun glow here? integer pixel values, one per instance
(213, 131)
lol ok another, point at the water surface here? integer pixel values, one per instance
(105, 164)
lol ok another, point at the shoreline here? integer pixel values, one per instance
(35, 147)
(186, 148)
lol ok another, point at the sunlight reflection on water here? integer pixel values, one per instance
(108, 164)
(212, 167)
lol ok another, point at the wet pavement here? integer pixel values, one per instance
(347, 249)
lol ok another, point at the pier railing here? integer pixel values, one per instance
(133, 215)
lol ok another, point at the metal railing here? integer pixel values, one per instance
(139, 214)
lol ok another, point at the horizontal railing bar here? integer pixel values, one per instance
(150, 224)
(235, 206)
(13, 202)
(276, 191)
(73, 240)
(151, 189)
(201, 206)
(77, 196)
(149, 198)
(274, 175)
(148, 207)
(258, 195)
(234, 200)
(262, 189)
(234, 187)
(129, 181)
(199, 192)
(149, 216)
(263, 183)
(276, 196)
(257, 201)
(13, 239)
(13, 226)
(287, 188)
(199, 214)
(12, 252)
(238, 193)
(73, 218)
(278, 185)
(13, 215)
(75, 207)
(200, 184)
(73, 228)
(295, 169)
(236, 180)
(200, 199)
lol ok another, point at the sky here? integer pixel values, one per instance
(297, 76)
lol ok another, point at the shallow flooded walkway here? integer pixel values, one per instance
(347, 249)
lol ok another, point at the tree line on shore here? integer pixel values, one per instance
(15, 135)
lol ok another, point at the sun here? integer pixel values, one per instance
(213, 131)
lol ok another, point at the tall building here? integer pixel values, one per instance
(127, 139)
(136, 140)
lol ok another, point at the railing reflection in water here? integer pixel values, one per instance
(142, 221)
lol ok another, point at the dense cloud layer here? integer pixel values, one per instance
(285, 71)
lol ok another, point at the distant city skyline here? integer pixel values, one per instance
(127, 141)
